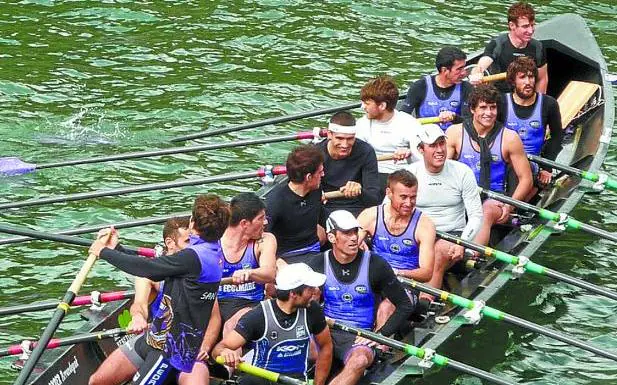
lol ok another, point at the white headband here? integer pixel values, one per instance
(341, 129)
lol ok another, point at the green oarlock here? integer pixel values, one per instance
(440, 360)
(414, 351)
(611, 184)
(549, 215)
(493, 313)
(590, 176)
(574, 224)
(534, 268)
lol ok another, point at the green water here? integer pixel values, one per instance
(89, 78)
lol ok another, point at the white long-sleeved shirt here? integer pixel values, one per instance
(401, 131)
(446, 197)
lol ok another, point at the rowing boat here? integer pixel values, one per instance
(570, 44)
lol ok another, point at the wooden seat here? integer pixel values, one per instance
(573, 98)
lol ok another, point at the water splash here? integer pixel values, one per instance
(86, 127)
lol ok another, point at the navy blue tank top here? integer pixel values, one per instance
(432, 105)
(530, 130)
(352, 303)
(471, 158)
(401, 251)
(249, 290)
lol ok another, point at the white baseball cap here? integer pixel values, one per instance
(431, 133)
(341, 220)
(296, 275)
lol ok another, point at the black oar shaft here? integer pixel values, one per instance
(266, 122)
(421, 353)
(588, 175)
(500, 315)
(528, 265)
(132, 189)
(552, 216)
(178, 150)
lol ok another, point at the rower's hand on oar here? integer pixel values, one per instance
(544, 177)
(232, 357)
(506, 210)
(137, 325)
(446, 116)
(456, 252)
(106, 238)
(365, 341)
(204, 351)
(351, 189)
(401, 154)
(475, 78)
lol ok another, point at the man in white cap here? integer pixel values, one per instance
(353, 279)
(448, 194)
(350, 166)
(281, 329)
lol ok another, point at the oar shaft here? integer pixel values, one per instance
(78, 301)
(420, 353)
(140, 188)
(58, 342)
(183, 150)
(528, 266)
(494, 78)
(502, 316)
(263, 373)
(551, 216)
(588, 175)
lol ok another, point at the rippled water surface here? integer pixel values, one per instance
(88, 78)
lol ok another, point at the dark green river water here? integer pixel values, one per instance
(89, 78)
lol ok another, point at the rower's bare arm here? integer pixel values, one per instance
(321, 234)
(454, 134)
(477, 72)
(367, 220)
(266, 271)
(425, 236)
(139, 308)
(542, 83)
(324, 357)
(228, 348)
(520, 164)
(212, 332)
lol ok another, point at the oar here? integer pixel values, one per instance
(263, 373)
(526, 264)
(277, 170)
(563, 220)
(78, 301)
(58, 342)
(481, 308)
(15, 166)
(421, 353)
(494, 78)
(603, 179)
(57, 317)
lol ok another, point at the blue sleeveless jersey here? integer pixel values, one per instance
(530, 130)
(432, 105)
(471, 158)
(283, 350)
(249, 290)
(352, 303)
(401, 251)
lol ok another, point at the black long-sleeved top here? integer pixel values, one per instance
(360, 166)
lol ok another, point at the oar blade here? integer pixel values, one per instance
(11, 166)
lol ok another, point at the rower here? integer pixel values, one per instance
(248, 258)
(172, 342)
(488, 148)
(448, 194)
(354, 277)
(281, 330)
(350, 166)
(503, 49)
(532, 115)
(444, 94)
(300, 197)
(386, 129)
(122, 364)
(401, 234)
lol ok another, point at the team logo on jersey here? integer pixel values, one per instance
(407, 242)
(443, 109)
(274, 335)
(246, 266)
(534, 124)
(494, 157)
(361, 289)
(395, 248)
(431, 103)
(300, 332)
(333, 288)
(347, 297)
(455, 103)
